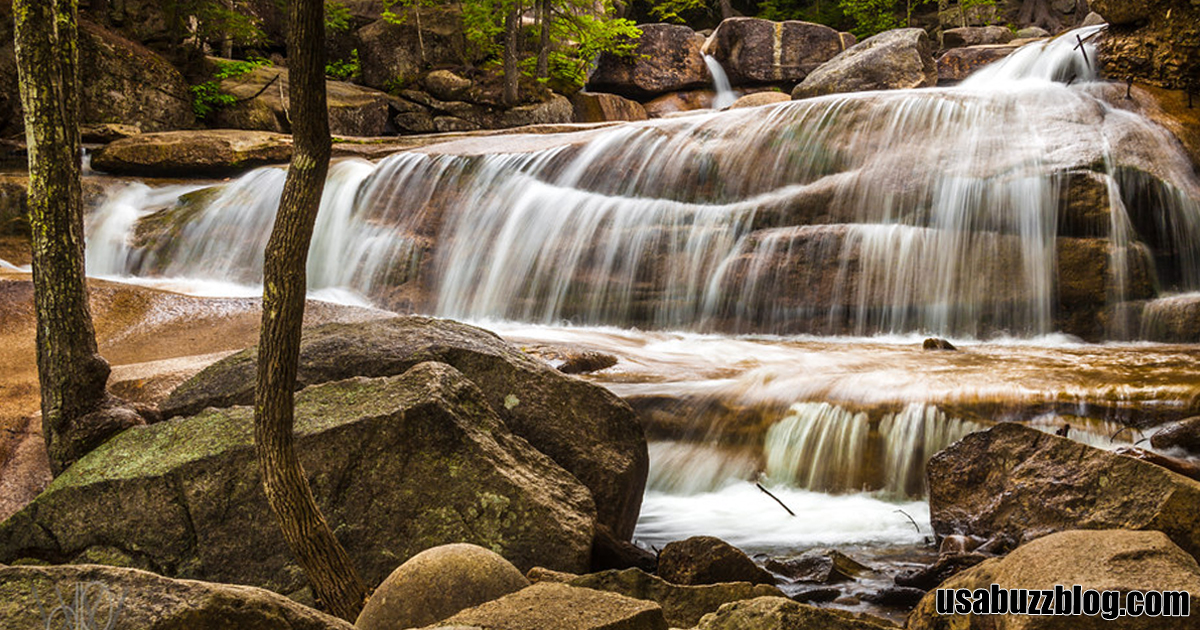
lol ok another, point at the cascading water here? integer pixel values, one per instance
(953, 211)
(1025, 201)
(725, 94)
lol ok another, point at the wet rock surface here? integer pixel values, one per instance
(896, 59)
(708, 560)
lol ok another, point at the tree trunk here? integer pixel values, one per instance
(334, 579)
(543, 61)
(726, 8)
(71, 373)
(512, 28)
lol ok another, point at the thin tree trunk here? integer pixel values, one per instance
(543, 61)
(726, 9)
(511, 33)
(71, 372)
(334, 579)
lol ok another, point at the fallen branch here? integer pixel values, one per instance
(781, 503)
(263, 89)
(911, 520)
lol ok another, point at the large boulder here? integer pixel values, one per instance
(897, 59)
(1155, 42)
(263, 97)
(677, 102)
(583, 427)
(683, 606)
(397, 465)
(958, 63)
(202, 153)
(708, 560)
(1016, 482)
(759, 99)
(550, 606)
(593, 107)
(975, 36)
(756, 51)
(1110, 560)
(773, 613)
(667, 59)
(139, 599)
(391, 58)
(120, 82)
(438, 583)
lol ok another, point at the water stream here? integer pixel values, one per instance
(765, 277)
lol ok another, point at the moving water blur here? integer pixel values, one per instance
(725, 94)
(1024, 203)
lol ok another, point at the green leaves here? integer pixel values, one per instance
(208, 97)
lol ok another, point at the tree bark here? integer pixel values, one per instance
(334, 579)
(543, 61)
(512, 77)
(71, 373)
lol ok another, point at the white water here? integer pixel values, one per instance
(725, 94)
(885, 216)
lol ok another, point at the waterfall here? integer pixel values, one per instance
(824, 447)
(725, 94)
(967, 211)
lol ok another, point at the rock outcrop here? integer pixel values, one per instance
(147, 601)
(771, 613)
(891, 60)
(1015, 482)
(754, 51)
(583, 427)
(397, 465)
(1155, 42)
(208, 153)
(599, 107)
(975, 36)
(390, 57)
(667, 59)
(1109, 560)
(958, 63)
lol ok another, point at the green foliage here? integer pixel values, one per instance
(827, 12)
(870, 16)
(344, 69)
(215, 21)
(592, 36)
(673, 10)
(207, 97)
(395, 85)
(337, 16)
(407, 6)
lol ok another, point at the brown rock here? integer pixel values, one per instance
(958, 63)
(1155, 42)
(947, 565)
(676, 102)
(1116, 560)
(210, 152)
(774, 613)
(667, 59)
(390, 57)
(708, 560)
(1016, 481)
(1184, 434)
(598, 107)
(760, 98)
(891, 60)
(682, 606)
(823, 566)
(549, 606)
(150, 602)
(756, 51)
(438, 583)
(975, 36)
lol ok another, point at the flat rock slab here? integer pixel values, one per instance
(774, 613)
(549, 606)
(151, 602)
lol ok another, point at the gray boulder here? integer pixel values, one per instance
(756, 51)
(667, 59)
(975, 36)
(891, 60)
(583, 427)
(397, 465)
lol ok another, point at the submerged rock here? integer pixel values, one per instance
(1016, 481)
(438, 583)
(1184, 434)
(148, 601)
(683, 606)
(667, 59)
(891, 60)
(822, 566)
(397, 465)
(756, 51)
(583, 427)
(1117, 560)
(772, 613)
(708, 560)
(600, 107)
(759, 99)
(548, 606)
